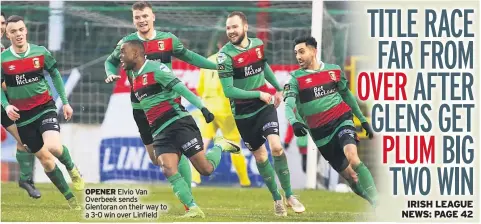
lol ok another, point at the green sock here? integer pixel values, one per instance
(356, 188)
(25, 162)
(269, 176)
(58, 180)
(65, 159)
(181, 190)
(366, 182)
(214, 155)
(282, 171)
(185, 171)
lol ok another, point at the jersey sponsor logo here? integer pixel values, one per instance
(320, 92)
(271, 124)
(36, 62)
(249, 70)
(221, 57)
(23, 80)
(259, 52)
(240, 60)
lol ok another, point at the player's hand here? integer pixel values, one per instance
(266, 97)
(67, 112)
(112, 78)
(209, 117)
(367, 127)
(278, 99)
(300, 129)
(12, 112)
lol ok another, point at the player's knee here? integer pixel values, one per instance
(276, 149)
(46, 159)
(54, 148)
(21, 147)
(168, 170)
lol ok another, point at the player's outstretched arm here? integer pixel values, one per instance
(271, 77)
(191, 57)
(58, 84)
(235, 93)
(112, 63)
(181, 89)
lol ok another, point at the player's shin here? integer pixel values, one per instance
(214, 155)
(367, 182)
(184, 171)
(282, 171)
(58, 180)
(181, 190)
(65, 159)
(26, 161)
(268, 174)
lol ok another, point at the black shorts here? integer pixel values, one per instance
(6, 122)
(254, 130)
(334, 150)
(31, 134)
(143, 125)
(182, 136)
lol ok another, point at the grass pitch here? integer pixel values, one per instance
(220, 204)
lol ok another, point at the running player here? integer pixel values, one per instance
(26, 160)
(243, 71)
(32, 106)
(173, 129)
(210, 91)
(320, 94)
(159, 46)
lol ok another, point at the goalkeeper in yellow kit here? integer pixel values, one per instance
(210, 90)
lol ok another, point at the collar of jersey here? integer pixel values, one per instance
(153, 36)
(142, 68)
(18, 56)
(322, 67)
(244, 49)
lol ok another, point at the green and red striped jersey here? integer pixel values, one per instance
(246, 67)
(152, 86)
(319, 102)
(27, 88)
(161, 47)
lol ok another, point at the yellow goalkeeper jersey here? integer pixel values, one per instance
(210, 90)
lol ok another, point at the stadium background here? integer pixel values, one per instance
(102, 136)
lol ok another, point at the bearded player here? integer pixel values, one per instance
(210, 91)
(31, 106)
(159, 46)
(26, 160)
(325, 105)
(243, 71)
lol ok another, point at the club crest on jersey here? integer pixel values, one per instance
(144, 79)
(333, 75)
(36, 63)
(161, 45)
(258, 52)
